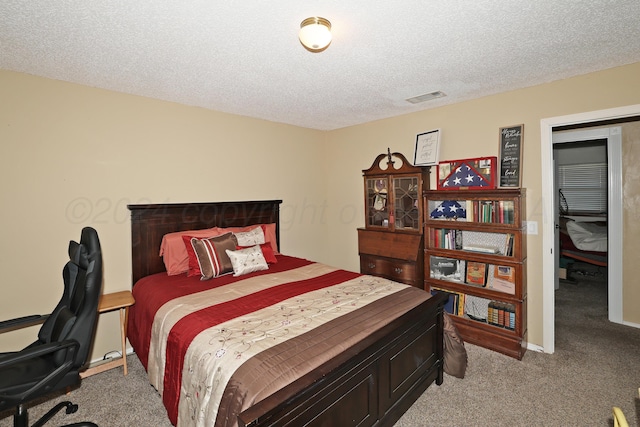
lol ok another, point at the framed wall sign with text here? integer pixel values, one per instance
(427, 148)
(510, 172)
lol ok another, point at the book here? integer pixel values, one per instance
(446, 268)
(502, 315)
(504, 272)
(476, 273)
(449, 239)
(487, 249)
(503, 285)
(451, 305)
(508, 245)
(461, 300)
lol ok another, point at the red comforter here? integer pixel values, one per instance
(214, 348)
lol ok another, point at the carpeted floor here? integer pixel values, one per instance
(596, 366)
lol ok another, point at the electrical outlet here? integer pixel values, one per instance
(531, 226)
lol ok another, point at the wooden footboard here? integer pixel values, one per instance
(372, 385)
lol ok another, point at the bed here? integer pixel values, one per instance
(584, 239)
(371, 352)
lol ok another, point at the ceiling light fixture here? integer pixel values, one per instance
(315, 34)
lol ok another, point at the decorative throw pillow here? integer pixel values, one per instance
(251, 238)
(213, 260)
(267, 252)
(270, 235)
(247, 260)
(194, 264)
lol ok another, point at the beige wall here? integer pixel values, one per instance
(631, 221)
(74, 156)
(470, 129)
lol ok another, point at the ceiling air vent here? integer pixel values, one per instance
(426, 97)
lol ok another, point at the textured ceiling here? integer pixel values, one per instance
(243, 57)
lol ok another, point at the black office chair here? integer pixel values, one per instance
(54, 361)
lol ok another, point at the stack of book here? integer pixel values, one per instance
(445, 238)
(502, 315)
(496, 211)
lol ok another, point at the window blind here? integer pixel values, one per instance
(584, 187)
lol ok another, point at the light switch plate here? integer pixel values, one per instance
(532, 227)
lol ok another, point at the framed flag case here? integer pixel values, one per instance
(467, 174)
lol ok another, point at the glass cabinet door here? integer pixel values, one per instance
(406, 202)
(377, 192)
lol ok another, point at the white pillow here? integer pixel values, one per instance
(250, 238)
(247, 260)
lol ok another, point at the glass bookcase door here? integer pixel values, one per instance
(377, 203)
(406, 202)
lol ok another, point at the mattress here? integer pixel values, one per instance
(588, 236)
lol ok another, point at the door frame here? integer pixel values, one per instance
(548, 206)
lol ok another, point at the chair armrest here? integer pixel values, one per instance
(21, 322)
(54, 377)
(40, 350)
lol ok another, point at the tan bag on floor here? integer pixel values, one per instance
(455, 355)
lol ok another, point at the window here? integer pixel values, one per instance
(583, 188)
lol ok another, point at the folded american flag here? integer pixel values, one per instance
(448, 209)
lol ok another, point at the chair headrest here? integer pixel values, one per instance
(82, 253)
(89, 239)
(78, 255)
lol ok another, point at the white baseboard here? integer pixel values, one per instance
(633, 325)
(535, 347)
(102, 359)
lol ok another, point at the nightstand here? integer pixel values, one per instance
(109, 302)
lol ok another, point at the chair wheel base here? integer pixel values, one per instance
(70, 409)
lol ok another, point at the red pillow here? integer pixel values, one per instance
(173, 249)
(194, 267)
(267, 252)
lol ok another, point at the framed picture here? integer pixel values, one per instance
(511, 156)
(476, 273)
(427, 148)
(467, 174)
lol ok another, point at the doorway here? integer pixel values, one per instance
(612, 139)
(549, 271)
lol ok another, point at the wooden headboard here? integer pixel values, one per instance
(152, 221)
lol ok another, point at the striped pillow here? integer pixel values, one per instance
(211, 254)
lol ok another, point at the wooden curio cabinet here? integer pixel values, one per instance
(475, 251)
(391, 243)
